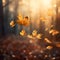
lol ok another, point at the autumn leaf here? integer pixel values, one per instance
(47, 40)
(12, 24)
(34, 33)
(23, 33)
(49, 47)
(39, 36)
(51, 31)
(20, 22)
(29, 36)
(20, 17)
(54, 32)
(46, 29)
(24, 22)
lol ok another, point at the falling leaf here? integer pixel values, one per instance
(49, 47)
(47, 40)
(20, 22)
(23, 33)
(34, 33)
(39, 36)
(46, 29)
(51, 31)
(20, 17)
(12, 24)
(29, 36)
(26, 21)
(55, 32)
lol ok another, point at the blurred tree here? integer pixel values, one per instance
(1, 19)
(57, 15)
(6, 14)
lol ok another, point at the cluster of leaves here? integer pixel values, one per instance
(21, 21)
(33, 35)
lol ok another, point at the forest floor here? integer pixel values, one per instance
(23, 48)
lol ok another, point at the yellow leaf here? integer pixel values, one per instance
(51, 31)
(20, 22)
(39, 36)
(49, 47)
(12, 24)
(26, 21)
(23, 33)
(55, 32)
(34, 33)
(20, 17)
(29, 36)
(46, 29)
(47, 40)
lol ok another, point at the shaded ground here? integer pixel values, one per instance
(23, 48)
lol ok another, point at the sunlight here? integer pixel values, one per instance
(35, 5)
(4, 2)
(46, 3)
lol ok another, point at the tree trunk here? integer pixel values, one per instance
(1, 19)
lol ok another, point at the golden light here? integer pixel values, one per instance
(50, 12)
(34, 5)
(39, 4)
(54, 5)
(59, 9)
(4, 2)
(46, 3)
(11, 8)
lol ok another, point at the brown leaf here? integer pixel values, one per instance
(49, 47)
(47, 40)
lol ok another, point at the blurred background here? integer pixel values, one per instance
(37, 11)
(38, 41)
